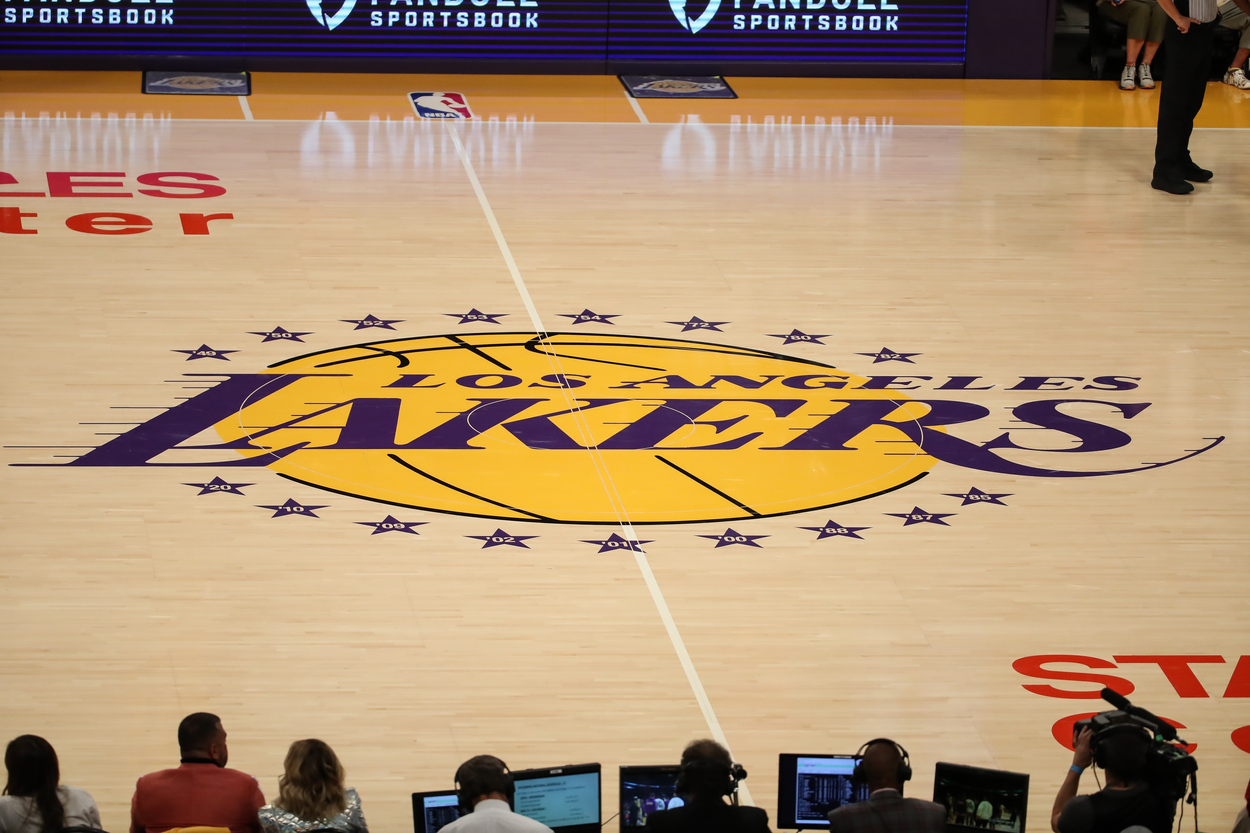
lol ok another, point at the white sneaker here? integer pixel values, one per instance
(1144, 79)
(1237, 78)
(1126, 78)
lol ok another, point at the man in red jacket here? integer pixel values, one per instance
(200, 792)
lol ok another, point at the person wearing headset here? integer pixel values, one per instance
(884, 766)
(708, 774)
(1126, 801)
(485, 789)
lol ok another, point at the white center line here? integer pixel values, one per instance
(657, 595)
(633, 102)
(247, 108)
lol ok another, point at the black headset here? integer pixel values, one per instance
(732, 773)
(471, 780)
(1096, 742)
(903, 773)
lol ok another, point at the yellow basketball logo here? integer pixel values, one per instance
(515, 426)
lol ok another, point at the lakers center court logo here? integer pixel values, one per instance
(518, 426)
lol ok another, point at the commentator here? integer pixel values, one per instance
(708, 774)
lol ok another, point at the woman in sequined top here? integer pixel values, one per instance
(311, 795)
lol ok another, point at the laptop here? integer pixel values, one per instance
(810, 786)
(978, 799)
(646, 790)
(565, 798)
(432, 811)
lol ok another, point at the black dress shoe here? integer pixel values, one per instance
(1193, 173)
(1171, 185)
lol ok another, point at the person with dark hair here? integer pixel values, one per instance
(1126, 801)
(200, 792)
(883, 767)
(708, 774)
(33, 800)
(312, 794)
(485, 789)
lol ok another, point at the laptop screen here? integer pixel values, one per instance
(646, 790)
(432, 811)
(981, 799)
(810, 786)
(566, 799)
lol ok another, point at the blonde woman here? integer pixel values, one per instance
(311, 795)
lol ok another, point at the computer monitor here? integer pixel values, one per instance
(433, 811)
(809, 786)
(979, 799)
(565, 798)
(646, 790)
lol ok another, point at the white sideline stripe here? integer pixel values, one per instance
(247, 108)
(633, 102)
(644, 566)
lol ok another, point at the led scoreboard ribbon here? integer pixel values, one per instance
(912, 31)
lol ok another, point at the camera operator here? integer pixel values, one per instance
(1128, 799)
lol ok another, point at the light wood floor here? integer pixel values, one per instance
(997, 243)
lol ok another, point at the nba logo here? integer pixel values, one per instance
(440, 105)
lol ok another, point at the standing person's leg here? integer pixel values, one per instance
(1188, 64)
(1203, 44)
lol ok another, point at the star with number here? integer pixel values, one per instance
(586, 316)
(616, 542)
(205, 352)
(885, 354)
(831, 529)
(371, 321)
(919, 516)
(729, 538)
(697, 323)
(392, 524)
(279, 334)
(502, 539)
(217, 486)
(798, 336)
(476, 316)
(293, 507)
(975, 495)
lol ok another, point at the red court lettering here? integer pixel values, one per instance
(1032, 667)
(63, 184)
(1176, 669)
(98, 222)
(198, 223)
(11, 221)
(199, 190)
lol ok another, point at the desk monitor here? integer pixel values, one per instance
(646, 790)
(979, 799)
(565, 798)
(433, 811)
(809, 786)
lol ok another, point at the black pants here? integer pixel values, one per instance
(1183, 87)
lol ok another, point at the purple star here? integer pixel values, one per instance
(205, 352)
(697, 323)
(370, 321)
(799, 336)
(885, 354)
(476, 316)
(392, 524)
(831, 529)
(279, 334)
(502, 539)
(616, 542)
(730, 537)
(219, 487)
(919, 516)
(291, 507)
(975, 495)
(586, 316)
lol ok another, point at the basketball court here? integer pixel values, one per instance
(592, 425)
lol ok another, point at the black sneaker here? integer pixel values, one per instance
(1194, 174)
(1171, 185)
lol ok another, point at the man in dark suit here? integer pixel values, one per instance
(884, 766)
(708, 774)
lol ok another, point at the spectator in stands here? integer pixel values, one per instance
(1126, 801)
(884, 767)
(1145, 20)
(312, 795)
(200, 792)
(485, 790)
(32, 801)
(1232, 16)
(708, 774)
